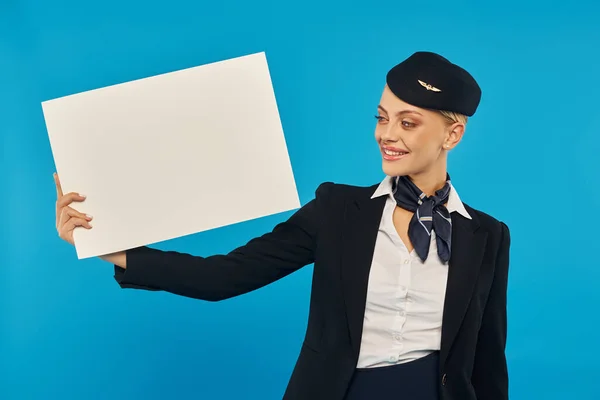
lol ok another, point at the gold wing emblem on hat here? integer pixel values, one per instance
(428, 86)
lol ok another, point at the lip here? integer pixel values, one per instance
(393, 158)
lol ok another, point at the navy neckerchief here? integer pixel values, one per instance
(429, 214)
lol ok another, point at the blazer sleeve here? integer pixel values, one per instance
(263, 260)
(490, 373)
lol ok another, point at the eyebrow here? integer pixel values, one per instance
(400, 112)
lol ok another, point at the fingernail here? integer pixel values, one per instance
(88, 216)
(82, 195)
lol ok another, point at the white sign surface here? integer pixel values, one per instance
(172, 155)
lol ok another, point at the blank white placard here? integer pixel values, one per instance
(172, 155)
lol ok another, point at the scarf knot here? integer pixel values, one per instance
(430, 214)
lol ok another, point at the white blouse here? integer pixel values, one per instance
(405, 299)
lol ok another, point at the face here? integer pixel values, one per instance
(412, 140)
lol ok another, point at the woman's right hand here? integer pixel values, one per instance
(67, 218)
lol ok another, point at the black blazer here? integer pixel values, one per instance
(337, 231)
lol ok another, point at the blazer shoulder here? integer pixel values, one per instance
(488, 221)
(339, 191)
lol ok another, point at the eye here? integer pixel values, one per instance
(379, 118)
(408, 124)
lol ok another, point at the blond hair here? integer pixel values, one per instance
(453, 117)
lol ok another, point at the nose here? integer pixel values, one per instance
(390, 133)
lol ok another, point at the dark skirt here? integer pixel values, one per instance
(414, 380)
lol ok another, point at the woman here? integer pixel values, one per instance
(409, 286)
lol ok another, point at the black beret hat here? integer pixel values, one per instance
(428, 80)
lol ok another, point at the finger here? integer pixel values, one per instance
(63, 202)
(59, 192)
(66, 233)
(67, 199)
(75, 222)
(69, 212)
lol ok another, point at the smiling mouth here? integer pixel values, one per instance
(394, 153)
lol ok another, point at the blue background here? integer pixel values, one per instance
(529, 158)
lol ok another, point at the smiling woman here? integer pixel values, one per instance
(421, 138)
(409, 289)
(420, 133)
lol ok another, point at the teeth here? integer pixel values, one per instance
(393, 153)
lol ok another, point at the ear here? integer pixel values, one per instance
(454, 135)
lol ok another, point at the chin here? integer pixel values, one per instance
(394, 170)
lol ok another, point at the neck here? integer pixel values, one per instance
(430, 181)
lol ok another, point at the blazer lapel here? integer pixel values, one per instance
(468, 246)
(359, 231)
